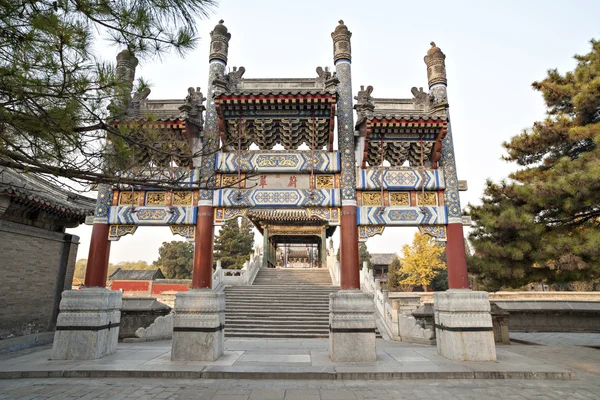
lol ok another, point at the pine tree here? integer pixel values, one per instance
(364, 256)
(542, 223)
(175, 259)
(55, 91)
(234, 243)
(421, 261)
(394, 274)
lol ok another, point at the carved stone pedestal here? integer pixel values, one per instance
(352, 326)
(198, 325)
(463, 325)
(88, 324)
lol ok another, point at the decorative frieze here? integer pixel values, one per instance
(437, 232)
(399, 199)
(187, 231)
(331, 215)
(156, 199)
(367, 231)
(400, 179)
(290, 181)
(278, 197)
(325, 181)
(225, 214)
(372, 199)
(412, 198)
(402, 216)
(427, 199)
(143, 215)
(183, 198)
(115, 232)
(295, 230)
(261, 162)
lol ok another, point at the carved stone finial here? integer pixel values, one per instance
(341, 42)
(125, 72)
(219, 43)
(125, 76)
(436, 65)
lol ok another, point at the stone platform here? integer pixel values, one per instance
(278, 359)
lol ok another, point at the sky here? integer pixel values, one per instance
(494, 51)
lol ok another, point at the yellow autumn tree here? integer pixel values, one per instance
(421, 261)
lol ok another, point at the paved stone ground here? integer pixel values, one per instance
(569, 354)
(298, 390)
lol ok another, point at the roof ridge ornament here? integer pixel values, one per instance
(364, 102)
(421, 98)
(193, 107)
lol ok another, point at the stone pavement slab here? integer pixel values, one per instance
(280, 359)
(283, 389)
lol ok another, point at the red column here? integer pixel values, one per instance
(456, 258)
(203, 249)
(350, 278)
(97, 267)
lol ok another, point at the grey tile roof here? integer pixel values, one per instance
(37, 191)
(136, 274)
(405, 109)
(159, 110)
(382, 258)
(279, 92)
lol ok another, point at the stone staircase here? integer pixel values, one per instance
(282, 303)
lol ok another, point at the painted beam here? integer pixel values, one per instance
(399, 179)
(402, 216)
(260, 162)
(276, 198)
(157, 216)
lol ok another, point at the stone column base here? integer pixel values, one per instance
(463, 325)
(198, 325)
(87, 327)
(352, 327)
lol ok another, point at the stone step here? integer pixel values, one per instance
(285, 321)
(281, 303)
(277, 307)
(263, 314)
(270, 300)
(288, 330)
(274, 335)
(269, 327)
(262, 310)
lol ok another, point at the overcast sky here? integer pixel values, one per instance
(494, 49)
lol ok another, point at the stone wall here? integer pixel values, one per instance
(36, 266)
(552, 316)
(409, 298)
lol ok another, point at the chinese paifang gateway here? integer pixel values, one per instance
(394, 165)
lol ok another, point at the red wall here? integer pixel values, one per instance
(131, 286)
(158, 288)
